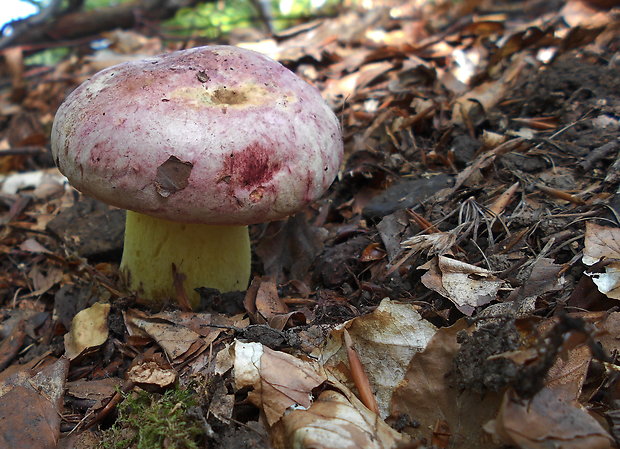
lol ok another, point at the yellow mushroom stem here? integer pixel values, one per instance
(207, 256)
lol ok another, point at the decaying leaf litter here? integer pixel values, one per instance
(456, 287)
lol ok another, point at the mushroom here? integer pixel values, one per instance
(196, 145)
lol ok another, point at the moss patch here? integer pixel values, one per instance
(153, 421)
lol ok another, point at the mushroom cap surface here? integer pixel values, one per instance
(216, 135)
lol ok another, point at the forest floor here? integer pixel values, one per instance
(467, 255)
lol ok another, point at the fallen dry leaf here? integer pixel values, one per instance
(33, 246)
(37, 425)
(174, 339)
(279, 380)
(42, 280)
(544, 277)
(602, 244)
(467, 286)
(486, 95)
(608, 332)
(425, 396)
(547, 420)
(385, 340)
(553, 417)
(334, 421)
(283, 388)
(95, 391)
(608, 283)
(265, 306)
(30, 412)
(268, 302)
(150, 373)
(12, 344)
(89, 329)
(391, 228)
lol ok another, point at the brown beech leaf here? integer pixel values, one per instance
(609, 331)
(601, 242)
(547, 420)
(32, 246)
(426, 395)
(12, 344)
(265, 306)
(176, 340)
(385, 341)
(268, 302)
(279, 380)
(36, 425)
(334, 421)
(544, 277)
(284, 388)
(98, 392)
(485, 95)
(31, 410)
(553, 417)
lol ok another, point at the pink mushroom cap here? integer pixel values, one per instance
(214, 135)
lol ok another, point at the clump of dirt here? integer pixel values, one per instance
(577, 90)
(474, 369)
(573, 85)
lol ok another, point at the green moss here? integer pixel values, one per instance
(216, 19)
(154, 421)
(212, 19)
(49, 57)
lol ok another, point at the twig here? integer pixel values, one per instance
(112, 403)
(503, 200)
(23, 151)
(599, 153)
(613, 173)
(561, 194)
(50, 12)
